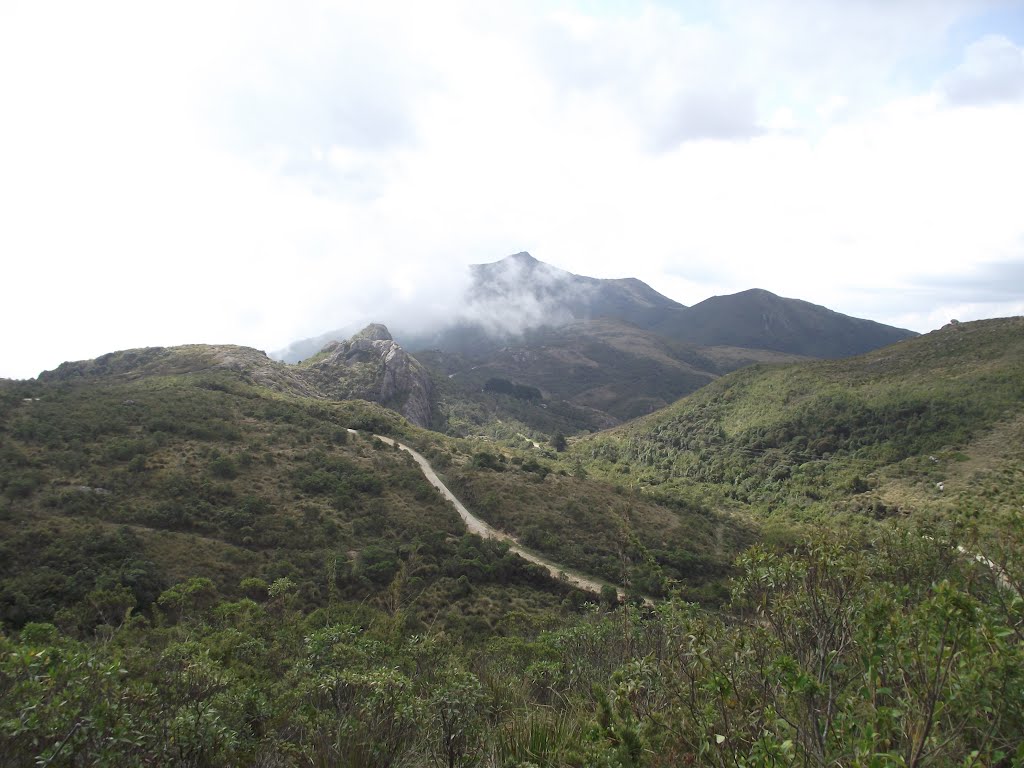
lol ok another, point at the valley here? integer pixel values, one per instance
(587, 545)
(544, 384)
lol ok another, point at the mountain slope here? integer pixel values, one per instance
(600, 351)
(761, 320)
(875, 434)
(519, 293)
(588, 375)
(113, 491)
(127, 474)
(605, 351)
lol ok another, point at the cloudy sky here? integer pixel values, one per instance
(255, 173)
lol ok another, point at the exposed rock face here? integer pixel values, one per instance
(369, 366)
(372, 366)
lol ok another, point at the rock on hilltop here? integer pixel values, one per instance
(372, 366)
(369, 366)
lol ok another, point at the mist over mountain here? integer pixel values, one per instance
(504, 300)
(520, 293)
(508, 298)
(597, 351)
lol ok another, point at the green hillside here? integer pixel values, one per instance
(206, 568)
(930, 425)
(126, 488)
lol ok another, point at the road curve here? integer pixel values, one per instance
(475, 525)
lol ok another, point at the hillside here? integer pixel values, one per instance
(368, 366)
(586, 376)
(759, 319)
(114, 486)
(910, 428)
(201, 565)
(204, 461)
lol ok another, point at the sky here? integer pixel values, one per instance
(256, 173)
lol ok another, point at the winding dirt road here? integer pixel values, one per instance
(589, 583)
(475, 525)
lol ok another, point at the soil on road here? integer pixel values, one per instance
(475, 525)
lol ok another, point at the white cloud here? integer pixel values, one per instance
(236, 173)
(992, 71)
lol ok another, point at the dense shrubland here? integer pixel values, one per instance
(196, 571)
(894, 651)
(603, 529)
(800, 440)
(126, 488)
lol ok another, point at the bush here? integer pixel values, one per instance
(224, 467)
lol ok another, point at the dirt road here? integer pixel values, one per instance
(476, 525)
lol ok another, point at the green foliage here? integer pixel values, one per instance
(375, 717)
(456, 717)
(196, 571)
(609, 596)
(187, 599)
(802, 439)
(892, 651)
(602, 530)
(224, 467)
(143, 484)
(506, 387)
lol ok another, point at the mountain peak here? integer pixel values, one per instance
(373, 366)
(522, 256)
(518, 263)
(757, 292)
(759, 319)
(375, 332)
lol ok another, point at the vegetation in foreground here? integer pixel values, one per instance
(197, 571)
(893, 652)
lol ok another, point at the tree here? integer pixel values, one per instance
(609, 596)
(188, 598)
(455, 707)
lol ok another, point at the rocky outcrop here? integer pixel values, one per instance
(372, 366)
(369, 366)
(252, 365)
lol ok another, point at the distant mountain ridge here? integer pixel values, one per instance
(603, 351)
(519, 293)
(759, 319)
